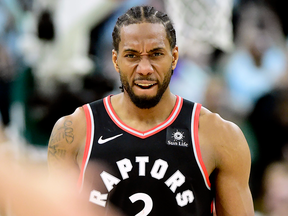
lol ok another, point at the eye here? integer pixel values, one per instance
(157, 54)
(130, 55)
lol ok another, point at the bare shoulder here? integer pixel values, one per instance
(224, 137)
(67, 138)
(226, 128)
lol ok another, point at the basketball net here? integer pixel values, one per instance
(201, 25)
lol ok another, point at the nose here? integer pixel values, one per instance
(144, 66)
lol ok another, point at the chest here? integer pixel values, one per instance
(162, 163)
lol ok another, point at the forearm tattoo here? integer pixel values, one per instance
(65, 133)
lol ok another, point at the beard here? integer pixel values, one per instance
(146, 102)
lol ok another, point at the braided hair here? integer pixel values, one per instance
(143, 14)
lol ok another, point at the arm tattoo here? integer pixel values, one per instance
(56, 153)
(62, 133)
(65, 132)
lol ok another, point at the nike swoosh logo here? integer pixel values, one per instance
(102, 141)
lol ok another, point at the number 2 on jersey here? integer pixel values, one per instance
(148, 203)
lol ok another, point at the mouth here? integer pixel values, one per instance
(145, 84)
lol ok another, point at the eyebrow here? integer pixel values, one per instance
(153, 50)
(157, 49)
(130, 50)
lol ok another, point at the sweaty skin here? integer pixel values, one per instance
(144, 51)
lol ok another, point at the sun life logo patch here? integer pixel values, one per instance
(177, 137)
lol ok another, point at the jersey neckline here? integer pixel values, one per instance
(143, 134)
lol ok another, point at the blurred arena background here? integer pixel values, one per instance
(55, 55)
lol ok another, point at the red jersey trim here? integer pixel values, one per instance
(197, 151)
(88, 144)
(141, 134)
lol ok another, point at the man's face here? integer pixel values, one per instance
(145, 62)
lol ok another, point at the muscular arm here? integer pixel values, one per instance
(231, 163)
(66, 142)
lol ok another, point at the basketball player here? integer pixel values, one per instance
(158, 154)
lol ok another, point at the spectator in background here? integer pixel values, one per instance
(6, 75)
(275, 190)
(269, 121)
(258, 60)
(8, 59)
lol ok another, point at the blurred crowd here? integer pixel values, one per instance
(56, 56)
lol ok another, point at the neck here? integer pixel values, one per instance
(143, 119)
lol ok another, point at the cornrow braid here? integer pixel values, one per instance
(143, 14)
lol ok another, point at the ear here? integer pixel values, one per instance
(114, 60)
(175, 57)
